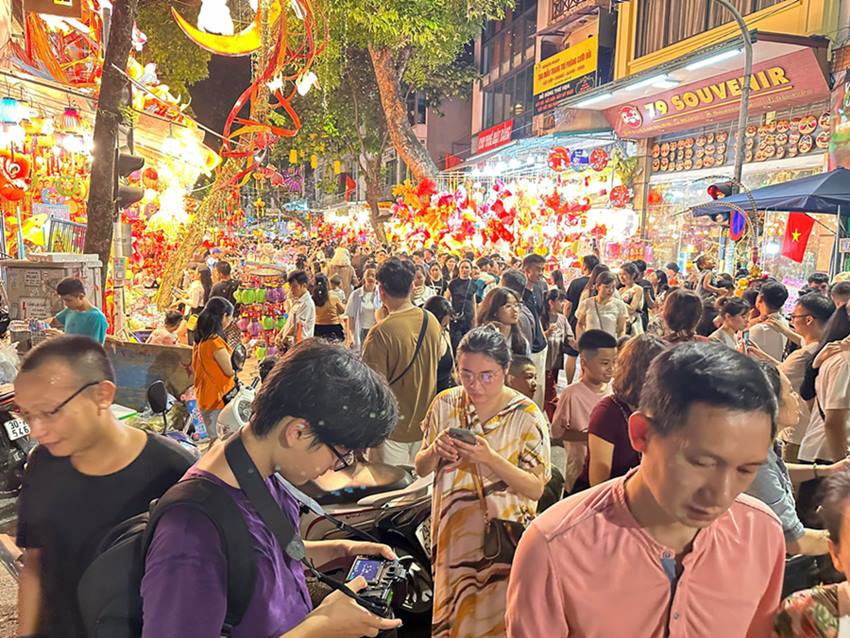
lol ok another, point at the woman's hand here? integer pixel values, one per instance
(481, 452)
(361, 548)
(829, 350)
(445, 447)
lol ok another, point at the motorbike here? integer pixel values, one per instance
(160, 403)
(383, 503)
(237, 412)
(15, 444)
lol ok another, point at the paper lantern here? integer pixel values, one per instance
(10, 112)
(337, 167)
(293, 157)
(314, 161)
(71, 120)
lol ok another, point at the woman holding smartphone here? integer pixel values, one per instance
(489, 448)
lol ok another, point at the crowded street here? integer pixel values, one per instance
(509, 319)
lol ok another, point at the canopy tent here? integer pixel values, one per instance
(827, 193)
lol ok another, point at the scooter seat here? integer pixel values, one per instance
(353, 483)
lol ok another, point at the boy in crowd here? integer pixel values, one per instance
(522, 376)
(769, 333)
(80, 316)
(598, 353)
(694, 556)
(574, 290)
(166, 334)
(819, 282)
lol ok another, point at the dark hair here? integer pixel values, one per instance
(70, 286)
(590, 261)
(211, 318)
(486, 341)
(558, 279)
(632, 364)
(818, 278)
(320, 289)
(772, 374)
(834, 494)
(710, 373)
(515, 280)
(682, 312)
(223, 268)
(345, 402)
(488, 311)
(556, 294)
(836, 329)
(598, 269)
(206, 282)
(84, 356)
(396, 277)
(456, 273)
(520, 360)
(732, 306)
(640, 264)
(172, 318)
(706, 327)
(483, 262)
(841, 288)
(774, 294)
(595, 340)
(605, 278)
(533, 259)
(672, 266)
(631, 270)
(663, 284)
(439, 306)
(819, 306)
(298, 277)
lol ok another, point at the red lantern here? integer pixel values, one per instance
(599, 159)
(619, 196)
(654, 198)
(559, 159)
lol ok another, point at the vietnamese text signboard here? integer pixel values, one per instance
(790, 80)
(565, 74)
(495, 136)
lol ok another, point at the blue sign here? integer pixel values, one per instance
(737, 225)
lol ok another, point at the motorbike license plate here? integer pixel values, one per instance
(16, 429)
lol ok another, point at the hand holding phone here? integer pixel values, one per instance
(467, 436)
(745, 341)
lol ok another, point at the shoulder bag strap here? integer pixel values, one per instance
(598, 315)
(419, 341)
(476, 476)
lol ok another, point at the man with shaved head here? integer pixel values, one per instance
(88, 473)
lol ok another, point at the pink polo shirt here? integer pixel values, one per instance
(585, 568)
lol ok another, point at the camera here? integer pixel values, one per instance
(385, 580)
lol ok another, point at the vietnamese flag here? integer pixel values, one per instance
(797, 236)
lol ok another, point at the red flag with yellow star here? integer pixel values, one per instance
(797, 236)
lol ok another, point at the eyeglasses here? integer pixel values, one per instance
(799, 316)
(342, 460)
(45, 416)
(486, 378)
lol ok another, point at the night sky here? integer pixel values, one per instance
(213, 98)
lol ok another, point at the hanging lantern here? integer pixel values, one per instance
(293, 157)
(10, 112)
(71, 119)
(337, 167)
(314, 161)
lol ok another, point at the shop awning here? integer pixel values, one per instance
(705, 86)
(827, 193)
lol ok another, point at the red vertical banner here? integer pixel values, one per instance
(797, 236)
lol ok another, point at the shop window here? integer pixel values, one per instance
(509, 43)
(662, 23)
(416, 108)
(511, 98)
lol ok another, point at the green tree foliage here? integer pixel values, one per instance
(180, 63)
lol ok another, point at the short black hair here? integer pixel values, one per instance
(70, 286)
(439, 306)
(396, 277)
(223, 268)
(483, 262)
(672, 266)
(596, 339)
(711, 373)
(520, 360)
(515, 280)
(841, 288)
(84, 356)
(173, 318)
(732, 306)
(533, 259)
(819, 306)
(298, 277)
(590, 261)
(818, 278)
(774, 294)
(487, 341)
(631, 269)
(641, 265)
(345, 402)
(834, 493)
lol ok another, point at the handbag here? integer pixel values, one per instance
(501, 536)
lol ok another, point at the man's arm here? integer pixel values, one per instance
(535, 602)
(29, 593)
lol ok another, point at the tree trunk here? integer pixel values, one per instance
(406, 144)
(100, 209)
(373, 195)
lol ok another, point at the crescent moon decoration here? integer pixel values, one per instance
(245, 42)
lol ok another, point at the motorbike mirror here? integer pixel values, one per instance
(237, 359)
(158, 397)
(266, 366)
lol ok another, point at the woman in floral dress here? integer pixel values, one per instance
(510, 456)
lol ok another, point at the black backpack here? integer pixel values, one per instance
(109, 592)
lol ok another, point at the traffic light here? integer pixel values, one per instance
(721, 190)
(125, 195)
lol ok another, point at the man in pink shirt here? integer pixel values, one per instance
(673, 548)
(598, 352)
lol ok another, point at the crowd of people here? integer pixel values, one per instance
(633, 434)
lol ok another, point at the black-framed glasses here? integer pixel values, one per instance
(800, 316)
(29, 416)
(342, 460)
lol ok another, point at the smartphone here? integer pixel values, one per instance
(462, 435)
(745, 339)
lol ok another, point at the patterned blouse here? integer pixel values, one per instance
(818, 612)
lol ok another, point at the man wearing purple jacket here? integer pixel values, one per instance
(317, 407)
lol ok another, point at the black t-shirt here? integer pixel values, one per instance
(463, 294)
(66, 514)
(225, 289)
(574, 296)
